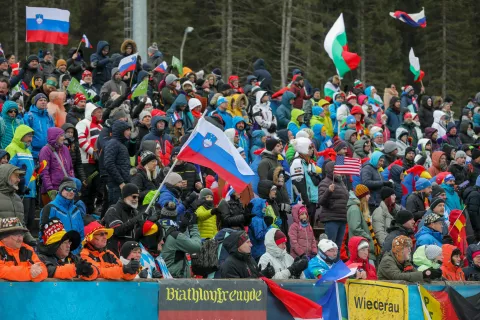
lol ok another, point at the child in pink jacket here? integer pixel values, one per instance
(302, 239)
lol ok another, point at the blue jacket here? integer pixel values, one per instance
(69, 213)
(258, 229)
(257, 143)
(186, 116)
(284, 112)
(316, 267)
(263, 76)
(243, 140)
(8, 125)
(333, 115)
(167, 195)
(321, 142)
(394, 121)
(453, 200)
(227, 118)
(102, 65)
(426, 236)
(39, 121)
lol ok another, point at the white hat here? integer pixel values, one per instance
(301, 145)
(302, 134)
(324, 245)
(193, 103)
(149, 101)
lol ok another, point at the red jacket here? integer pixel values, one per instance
(355, 260)
(302, 239)
(449, 271)
(299, 93)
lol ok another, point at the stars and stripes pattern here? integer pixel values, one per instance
(347, 166)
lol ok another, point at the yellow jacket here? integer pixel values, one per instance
(207, 223)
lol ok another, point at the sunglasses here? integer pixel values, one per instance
(12, 111)
(134, 197)
(101, 234)
(68, 189)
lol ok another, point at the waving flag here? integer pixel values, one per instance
(338, 271)
(413, 19)
(208, 146)
(346, 165)
(457, 229)
(87, 43)
(1, 50)
(337, 48)
(48, 25)
(38, 170)
(415, 66)
(162, 67)
(177, 64)
(15, 68)
(128, 64)
(141, 89)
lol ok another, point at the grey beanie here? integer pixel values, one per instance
(67, 183)
(205, 192)
(170, 78)
(143, 114)
(460, 154)
(173, 178)
(390, 146)
(432, 251)
(118, 114)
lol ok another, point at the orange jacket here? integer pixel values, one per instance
(65, 269)
(449, 271)
(15, 264)
(109, 266)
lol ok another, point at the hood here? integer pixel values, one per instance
(358, 147)
(270, 245)
(295, 114)
(118, 128)
(429, 132)
(317, 110)
(114, 70)
(317, 132)
(395, 172)
(375, 158)
(287, 96)
(181, 100)
(236, 120)
(329, 169)
(90, 107)
(53, 134)
(3, 153)
(250, 78)
(436, 158)
(141, 75)
(259, 206)
(421, 145)
(437, 115)
(259, 64)
(464, 126)
(101, 44)
(476, 118)
(352, 200)
(425, 102)
(155, 120)
(7, 106)
(259, 95)
(19, 133)
(6, 171)
(353, 247)
(348, 134)
(231, 242)
(263, 188)
(447, 250)
(257, 137)
(358, 110)
(296, 212)
(237, 98)
(420, 259)
(72, 50)
(470, 250)
(233, 78)
(400, 132)
(273, 174)
(149, 145)
(123, 47)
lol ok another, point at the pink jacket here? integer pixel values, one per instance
(302, 239)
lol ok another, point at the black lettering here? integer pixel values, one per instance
(358, 302)
(369, 305)
(396, 308)
(380, 306)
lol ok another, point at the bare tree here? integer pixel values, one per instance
(361, 25)
(286, 40)
(444, 48)
(224, 35)
(229, 37)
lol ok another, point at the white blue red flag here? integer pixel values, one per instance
(347, 166)
(87, 43)
(208, 146)
(48, 25)
(412, 19)
(128, 64)
(1, 50)
(162, 67)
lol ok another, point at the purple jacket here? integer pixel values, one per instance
(53, 174)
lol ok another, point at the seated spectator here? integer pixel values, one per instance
(259, 227)
(359, 249)
(131, 251)
(403, 225)
(302, 238)
(428, 257)
(431, 232)
(452, 262)
(277, 256)
(472, 272)
(326, 257)
(56, 253)
(382, 216)
(437, 206)
(18, 261)
(233, 214)
(95, 251)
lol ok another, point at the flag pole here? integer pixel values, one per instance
(453, 225)
(78, 48)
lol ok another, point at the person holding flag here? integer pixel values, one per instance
(128, 48)
(115, 84)
(75, 63)
(101, 64)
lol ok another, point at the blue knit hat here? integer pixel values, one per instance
(450, 126)
(422, 183)
(449, 177)
(350, 120)
(221, 100)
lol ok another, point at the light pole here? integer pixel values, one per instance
(187, 31)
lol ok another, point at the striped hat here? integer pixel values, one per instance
(361, 191)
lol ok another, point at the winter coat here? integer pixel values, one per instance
(422, 152)
(237, 265)
(394, 231)
(284, 111)
(263, 76)
(317, 267)
(15, 264)
(394, 120)
(53, 173)
(426, 236)
(269, 161)
(472, 200)
(412, 132)
(300, 95)
(8, 125)
(278, 258)
(207, 223)
(428, 135)
(450, 272)
(88, 132)
(232, 214)
(113, 85)
(74, 149)
(163, 139)
(372, 179)
(302, 238)
(435, 168)
(257, 143)
(453, 200)
(75, 115)
(102, 65)
(357, 226)
(459, 172)
(144, 183)
(333, 204)
(117, 158)
(71, 214)
(437, 123)
(21, 157)
(39, 120)
(106, 262)
(355, 259)
(425, 113)
(382, 220)
(463, 135)
(305, 179)
(122, 218)
(61, 268)
(422, 262)
(472, 272)
(77, 66)
(391, 269)
(294, 126)
(169, 193)
(235, 108)
(258, 229)
(243, 139)
(189, 173)
(262, 113)
(326, 120)
(359, 153)
(416, 205)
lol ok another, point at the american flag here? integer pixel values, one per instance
(347, 166)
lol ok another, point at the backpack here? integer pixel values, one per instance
(206, 261)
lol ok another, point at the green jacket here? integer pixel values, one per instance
(176, 245)
(390, 269)
(357, 226)
(421, 260)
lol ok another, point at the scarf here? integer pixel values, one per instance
(376, 245)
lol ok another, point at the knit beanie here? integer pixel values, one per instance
(400, 243)
(169, 211)
(390, 146)
(435, 202)
(432, 217)
(127, 248)
(31, 58)
(422, 183)
(279, 237)
(173, 178)
(386, 192)
(271, 143)
(79, 97)
(448, 177)
(153, 48)
(361, 191)
(118, 113)
(242, 238)
(61, 62)
(475, 154)
(205, 192)
(460, 154)
(363, 244)
(350, 120)
(301, 145)
(147, 156)
(41, 95)
(143, 114)
(339, 145)
(432, 251)
(437, 190)
(193, 103)
(301, 134)
(403, 216)
(67, 183)
(129, 189)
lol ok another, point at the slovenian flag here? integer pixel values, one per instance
(208, 146)
(48, 25)
(87, 43)
(162, 67)
(413, 19)
(415, 67)
(128, 64)
(336, 46)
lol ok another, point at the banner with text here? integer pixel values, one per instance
(212, 299)
(376, 300)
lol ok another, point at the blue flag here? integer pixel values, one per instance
(330, 304)
(337, 272)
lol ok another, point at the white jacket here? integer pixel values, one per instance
(442, 130)
(262, 113)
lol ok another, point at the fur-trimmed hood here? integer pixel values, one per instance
(236, 101)
(127, 42)
(274, 173)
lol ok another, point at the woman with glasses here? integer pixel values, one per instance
(9, 122)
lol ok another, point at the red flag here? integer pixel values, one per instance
(457, 230)
(299, 307)
(38, 170)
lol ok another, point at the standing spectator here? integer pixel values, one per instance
(263, 76)
(155, 57)
(403, 225)
(30, 68)
(258, 227)
(383, 216)
(263, 115)
(417, 202)
(87, 84)
(471, 197)
(372, 178)
(158, 132)
(297, 88)
(284, 111)
(440, 121)
(77, 111)
(359, 256)
(171, 194)
(410, 126)
(273, 148)
(115, 84)
(394, 115)
(233, 214)
(169, 93)
(101, 64)
(146, 177)
(71, 141)
(75, 63)
(206, 214)
(48, 66)
(452, 262)
(425, 112)
(439, 163)
(9, 122)
(302, 239)
(143, 125)
(59, 164)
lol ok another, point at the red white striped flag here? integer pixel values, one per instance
(347, 166)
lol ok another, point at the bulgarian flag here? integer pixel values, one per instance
(336, 46)
(415, 66)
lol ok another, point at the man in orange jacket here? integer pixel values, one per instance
(18, 261)
(95, 251)
(56, 253)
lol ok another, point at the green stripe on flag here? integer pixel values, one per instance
(337, 50)
(416, 73)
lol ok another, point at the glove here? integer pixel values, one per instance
(285, 207)
(84, 268)
(52, 194)
(247, 218)
(156, 274)
(388, 184)
(436, 274)
(193, 220)
(143, 274)
(427, 274)
(16, 96)
(268, 272)
(297, 267)
(215, 212)
(268, 221)
(134, 134)
(183, 224)
(132, 267)
(272, 128)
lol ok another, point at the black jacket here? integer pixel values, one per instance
(472, 272)
(142, 132)
(416, 205)
(232, 214)
(117, 158)
(333, 204)
(425, 114)
(237, 265)
(269, 161)
(188, 172)
(74, 149)
(471, 197)
(394, 231)
(140, 179)
(77, 66)
(75, 115)
(459, 172)
(52, 262)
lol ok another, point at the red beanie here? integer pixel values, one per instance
(280, 237)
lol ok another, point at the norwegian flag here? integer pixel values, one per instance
(87, 43)
(347, 166)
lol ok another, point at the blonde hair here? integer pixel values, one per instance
(364, 208)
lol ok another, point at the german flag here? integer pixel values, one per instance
(457, 229)
(437, 304)
(38, 169)
(466, 308)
